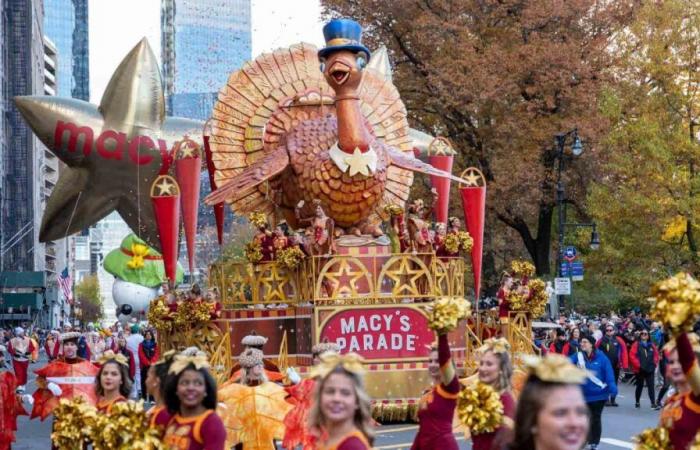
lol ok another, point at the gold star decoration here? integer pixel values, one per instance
(189, 149)
(165, 187)
(360, 162)
(112, 151)
(473, 177)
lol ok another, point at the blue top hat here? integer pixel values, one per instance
(342, 34)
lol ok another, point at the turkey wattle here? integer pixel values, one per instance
(283, 131)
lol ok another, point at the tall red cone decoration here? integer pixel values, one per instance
(219, 207)
(165, 196)
(188, 166)
(474, 205)
(441, 156)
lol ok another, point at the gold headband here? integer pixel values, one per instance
(495, 345)
(109, 355)
(166, 357)
(351, 362)
(181, 362)
(554, 368)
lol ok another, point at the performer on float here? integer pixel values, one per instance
(681, 412)
(296, 426)
(341, 412)
(503, 306)
(496, 370)
(437, 406)
(397, 231)
(439, 241)
(254, 409)
(552, 413)
(255, 341)
(190, 395)
(280, 240)
(322, 229)
(418, 224)
(155, 384)
(10, 404)
(67, 377)
(52, 345)
(21, 349)
(263, 237)
(112, 383)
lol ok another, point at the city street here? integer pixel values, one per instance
(619, 425)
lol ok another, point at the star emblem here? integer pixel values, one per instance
(113, 151)
(189, 149)
(165, 188)
(473, 177)
(360, 162)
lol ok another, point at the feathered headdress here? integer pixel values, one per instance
(495, 345)
(109, 356)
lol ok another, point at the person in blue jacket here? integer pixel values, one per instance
(600, 385)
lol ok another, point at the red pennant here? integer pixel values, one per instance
(474, 205)
(165, 196)
(187, 169)
(219, 207)
(442, 185)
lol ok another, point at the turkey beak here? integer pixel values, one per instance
(339, 72)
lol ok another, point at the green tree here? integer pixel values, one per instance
(500, 79)
(646, 203)
(87, 294)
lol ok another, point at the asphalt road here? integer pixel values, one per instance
(619, 425)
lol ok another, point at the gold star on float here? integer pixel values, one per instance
(405, 271)
(350, 272)
(360, 162)
(113, 151)
(473, 177)
(165, 189)
(189, 149)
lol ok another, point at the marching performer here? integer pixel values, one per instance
(155, 384)
(254, 409)
(296, 428)
(21, 349)
(552, 413)
(681, 413)
(52, 346)
(10, 404)
(341, 413)
(112, 383)
(495, 369)
(438, 405)
(66, 377)
(191, 398)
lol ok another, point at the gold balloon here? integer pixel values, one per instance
(114, 151)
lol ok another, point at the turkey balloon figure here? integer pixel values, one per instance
(284, 131)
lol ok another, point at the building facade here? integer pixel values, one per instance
(202, 42)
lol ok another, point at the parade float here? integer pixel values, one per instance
(314, 146)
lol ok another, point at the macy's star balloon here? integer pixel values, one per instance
(114, 151)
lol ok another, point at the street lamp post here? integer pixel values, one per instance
(576, 150)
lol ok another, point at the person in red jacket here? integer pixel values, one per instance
(615, 349)
(148, 355)
(560, 345)
(128, 354)
(644, 357)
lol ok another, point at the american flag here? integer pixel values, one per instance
(66, 283)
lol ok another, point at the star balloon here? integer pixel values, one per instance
(113, 151)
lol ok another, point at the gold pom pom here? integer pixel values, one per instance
(445, 313)
(69, 424)
(653, 439)
(516, 300)
(191, 313)
(452, 243)
(479, 408)
(695, 445)
(159, 316)
(521, 269)
(258, 219)
(538, 297)
(253, 251)
(290, 257)
(393, 210)
(465, 241)
(126, 428)
(676, 302)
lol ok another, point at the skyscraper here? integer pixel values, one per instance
(202, 42)
(65, 24)
(23, 156)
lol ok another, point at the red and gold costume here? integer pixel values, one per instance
(681, 414)
(438, 406)
(354, 440)
(105, 406)
(21, 349)
(503, 306)
(159, 417)
(52, 347)
(203, 432)
(75, 377)
(296, 430)
(10, 408)
(485, 441)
